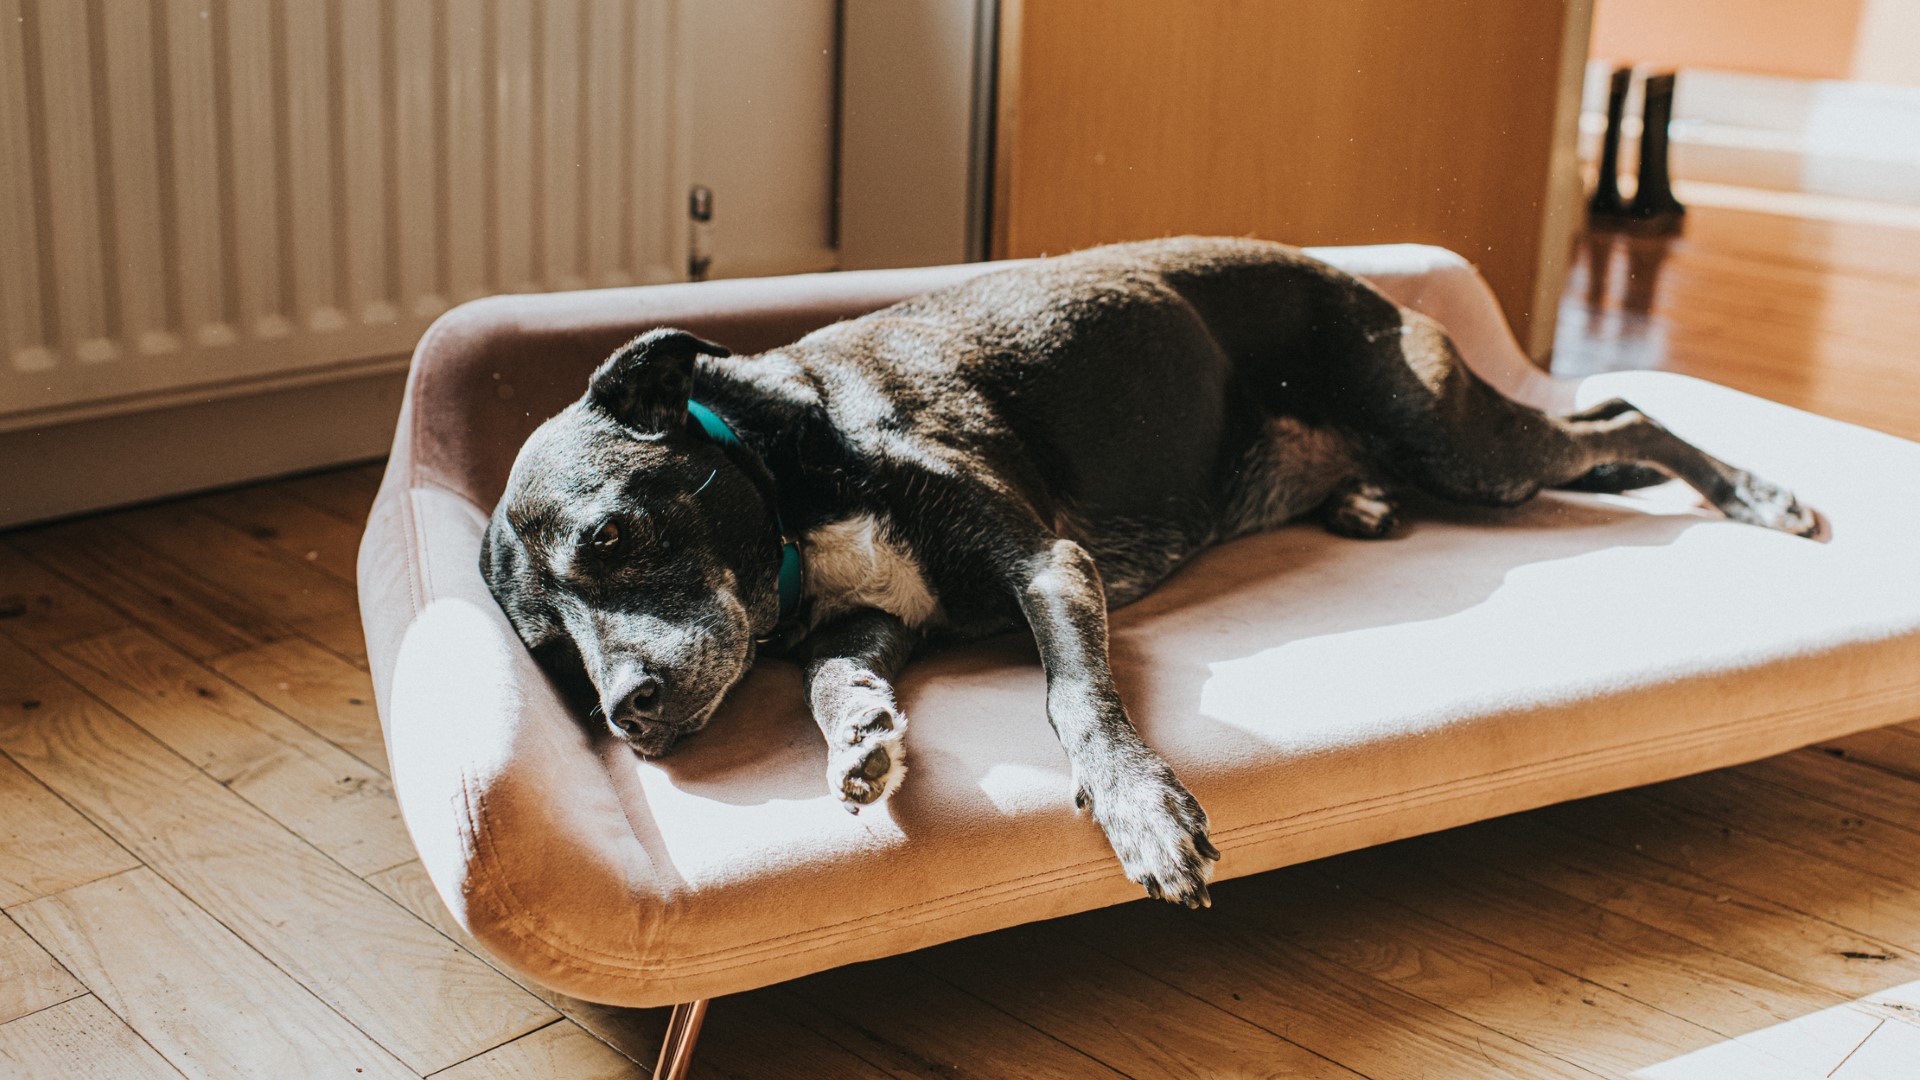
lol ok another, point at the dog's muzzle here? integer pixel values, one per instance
(653, 740)
(642, 721)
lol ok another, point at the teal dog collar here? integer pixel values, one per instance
(719, 432)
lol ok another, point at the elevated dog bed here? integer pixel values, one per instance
(1317, 694)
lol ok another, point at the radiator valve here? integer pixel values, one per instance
(699, 232)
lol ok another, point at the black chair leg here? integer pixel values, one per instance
(1607, 207)
(1655, 210)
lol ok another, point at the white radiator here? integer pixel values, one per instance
(202, 198)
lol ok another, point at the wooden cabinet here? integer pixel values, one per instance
(1310, 121)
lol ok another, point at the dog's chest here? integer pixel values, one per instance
(853, 563)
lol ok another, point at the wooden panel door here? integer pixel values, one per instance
(1364, 121)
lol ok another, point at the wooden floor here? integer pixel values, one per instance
(201, 869)
(1821, 314)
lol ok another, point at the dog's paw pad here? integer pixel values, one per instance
(868, 780)
(875, 765)
(870, 760)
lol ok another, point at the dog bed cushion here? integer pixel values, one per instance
(1317, 694)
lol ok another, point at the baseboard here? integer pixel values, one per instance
(87, 465)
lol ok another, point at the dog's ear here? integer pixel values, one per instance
(645, 383)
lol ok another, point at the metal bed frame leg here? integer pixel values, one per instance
(683, 1030)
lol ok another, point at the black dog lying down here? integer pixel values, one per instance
(1033, 446)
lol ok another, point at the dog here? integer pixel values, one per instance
(1032, 447)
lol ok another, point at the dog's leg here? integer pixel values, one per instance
(851, 663)
(1513, 451)
(1616, 433)
(1155, 825)
(1420, 412)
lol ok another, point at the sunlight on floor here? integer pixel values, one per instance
(1799, 204)
(1875, 1037)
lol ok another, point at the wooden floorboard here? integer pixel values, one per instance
(331, 697)
(315, 789)
(34, 979)
(196, 992)
(203, 871)
(103, 579)
(1131, 1021)
(415, 993)
(45, 845)
(561, 1049)
(1725, 995)
(78, 1038)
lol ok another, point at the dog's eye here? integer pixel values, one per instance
(606, 537)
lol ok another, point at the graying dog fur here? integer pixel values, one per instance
(1031, 447)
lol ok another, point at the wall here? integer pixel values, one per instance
(1867, 40)
(1807, 38)
(1887, 48)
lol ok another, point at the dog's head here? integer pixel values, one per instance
(632, 549)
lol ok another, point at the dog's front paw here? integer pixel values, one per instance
(1158, 830)
(1766, 504)
(867, 757)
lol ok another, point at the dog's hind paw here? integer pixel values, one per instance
(1158, 830)
(1359, 510)
(867, 758)
(1761, 502)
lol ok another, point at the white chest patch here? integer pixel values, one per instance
(853, 564)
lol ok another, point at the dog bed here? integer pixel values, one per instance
(1316, 694)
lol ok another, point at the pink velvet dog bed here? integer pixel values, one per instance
(1317, 694)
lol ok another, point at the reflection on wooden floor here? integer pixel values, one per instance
(202, 870)
(1819, 313)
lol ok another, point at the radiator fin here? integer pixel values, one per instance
(199, 196)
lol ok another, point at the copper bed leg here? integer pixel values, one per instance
(683, 1028)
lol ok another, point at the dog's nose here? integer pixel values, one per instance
(635, 700)
(644, 701)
